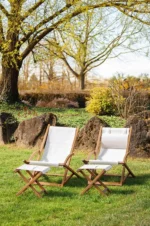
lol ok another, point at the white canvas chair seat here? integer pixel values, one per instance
(56, 150)
(34, 168)
(112, 149)
(35, 172)
(94, 180)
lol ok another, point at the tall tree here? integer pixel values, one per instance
(23, 23)
(88, 40)
(46, 60)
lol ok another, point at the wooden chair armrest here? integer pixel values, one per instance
(33, 154)
(26, 162)
(68, 157)
(89, 156)
(85, 161)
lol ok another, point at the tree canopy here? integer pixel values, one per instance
(24, 23)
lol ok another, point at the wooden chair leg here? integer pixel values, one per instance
(29, 183)
(37, 182)
(72, 171)
(93, 182)
(94, 173)
(126, 172)
(130, 172)
(67, 178)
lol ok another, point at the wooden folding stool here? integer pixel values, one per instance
(35, 172)
(94, 177)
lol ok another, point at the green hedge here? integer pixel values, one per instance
(79, 97)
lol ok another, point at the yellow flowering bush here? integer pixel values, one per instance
(100, 101)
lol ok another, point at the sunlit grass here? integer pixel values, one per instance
(128, 205)
(67, 117)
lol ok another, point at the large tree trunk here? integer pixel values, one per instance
(9, 92)
(11, 59)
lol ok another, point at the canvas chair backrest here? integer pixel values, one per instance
(114, 144)
(58, 144)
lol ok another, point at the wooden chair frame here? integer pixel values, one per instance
(126, 171)
(33, 179)
(94, 180)
(68, 171)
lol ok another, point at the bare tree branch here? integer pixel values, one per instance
(3, 9)
(32, 9)
(43, 22)
(133, 16)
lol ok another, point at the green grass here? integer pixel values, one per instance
(128, 205)
(68, 117)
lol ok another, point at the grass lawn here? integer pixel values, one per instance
(69, 117)
(128, 205)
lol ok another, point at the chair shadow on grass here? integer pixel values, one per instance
(59, 193)
(126, 187)
(76, 182)
(138, 180)
(73, 182)
(64, 191)
(121, 191)
(82, 182)
(129, 186)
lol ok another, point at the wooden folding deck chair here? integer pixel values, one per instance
(56, 150)
(113, 149)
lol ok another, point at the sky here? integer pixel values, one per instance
(130, 64)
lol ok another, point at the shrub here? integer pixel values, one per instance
(41, 103)
(100, 101)
(44, 98)
(130, 95)
(58, 103)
